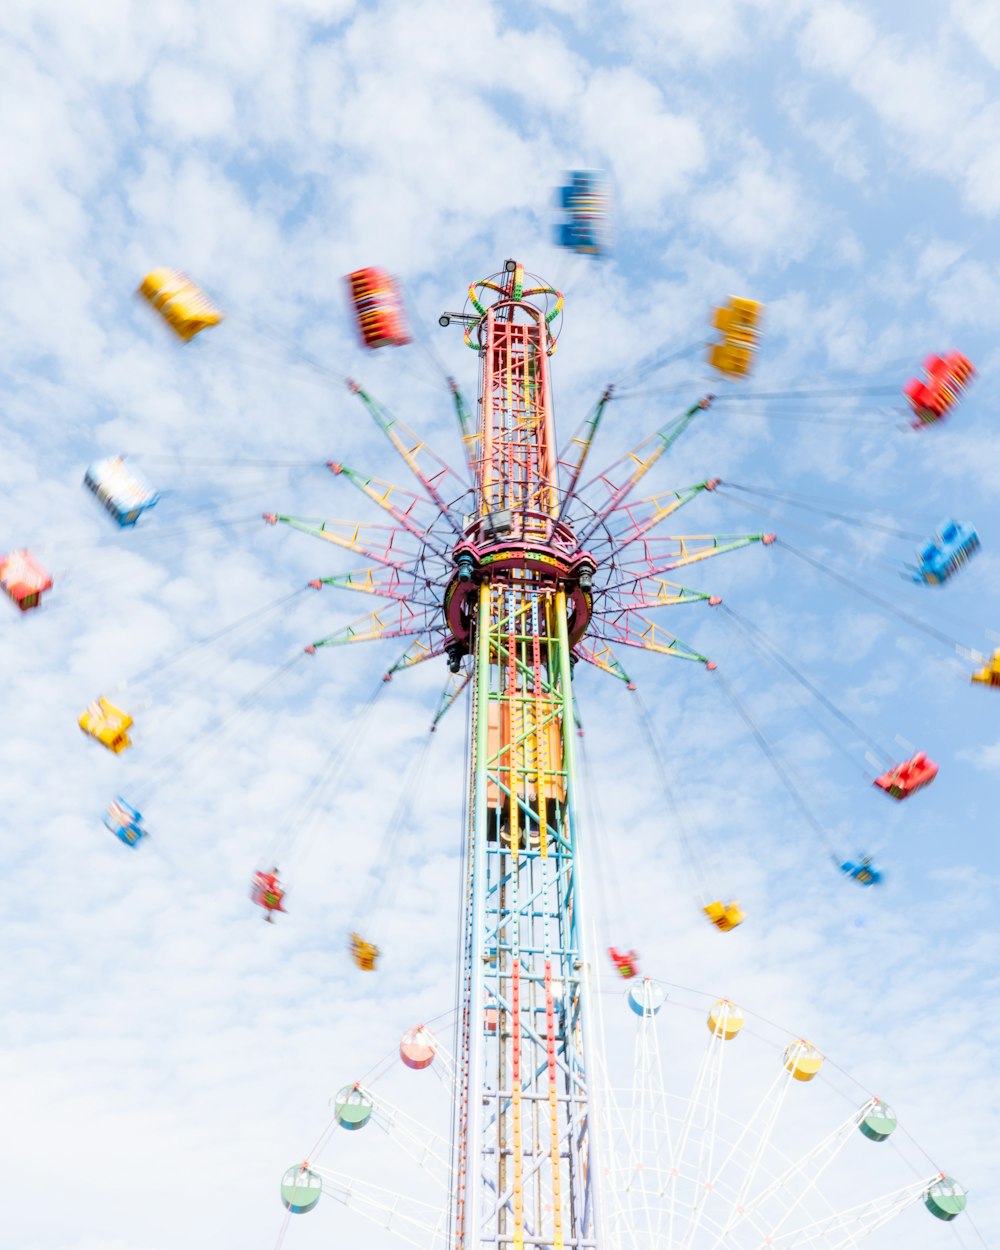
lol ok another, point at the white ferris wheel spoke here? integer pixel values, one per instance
(612, 1124)
(701, 1117)
(421, 1224)
(426, 1149)
(760, 1126)
(845, 1229)
(651, 1115)
(802, 1177)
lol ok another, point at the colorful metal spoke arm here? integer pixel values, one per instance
(454, 688)
(685, 549)
(402, 505)
(630, 629)
(471, 441)
(601, 656)
(641, 459)
(575, 455)
(433, 473)
(646, 514)
(400, 621)
(648, 592)
(383, 543)
(392, 583)
(428, 646)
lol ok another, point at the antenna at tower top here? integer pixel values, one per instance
(510, 294)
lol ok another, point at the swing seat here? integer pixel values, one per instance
(731, 361)
(989, 674)
(125, 822)
(185, 308)
(23, 579)
(909, 777)
(364, 953)
(124, 494)
(725, 916)
(585, 202)
(738, 322)
(943, 555)
(107, 724)
(864, 873)
(625, 962)
(946, 378)
(266, 892)
(378, 308)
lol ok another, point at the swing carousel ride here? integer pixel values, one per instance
(511, 573)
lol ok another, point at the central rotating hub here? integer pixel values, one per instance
(530, 547)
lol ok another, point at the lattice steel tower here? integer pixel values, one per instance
(519, 602)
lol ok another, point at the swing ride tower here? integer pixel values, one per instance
(515, 573)
(518, 602)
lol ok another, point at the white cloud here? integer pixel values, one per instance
(980, 21)
(166, 1042)
(190, 104)
(652, 151)
(838, 141)
(759, 211)
(986, 758)
(678, 34)
(949, 126)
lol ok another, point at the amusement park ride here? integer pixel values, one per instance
(515, 584)
(512, 581)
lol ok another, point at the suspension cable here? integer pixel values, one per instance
(777, 764)
(764, 646)
(224, 462)
(216, 727)
(809, 531)
(295, 833)
(258, 614)
(656, 360)
(915, 621)
(380, 874)
(825, 393)
(687, 844)
(801, 501)
(815, 418)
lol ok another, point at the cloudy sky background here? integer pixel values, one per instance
(165, 1055)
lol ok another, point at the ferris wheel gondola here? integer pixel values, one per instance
(734, 1157)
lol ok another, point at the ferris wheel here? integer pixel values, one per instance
(513, 571)
(718, 1129)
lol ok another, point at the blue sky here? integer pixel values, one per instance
(166, 1055)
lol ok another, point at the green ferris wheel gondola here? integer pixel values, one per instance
(946, 1198)
(879, 1122)
(353, 1107)
(301, 1189)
